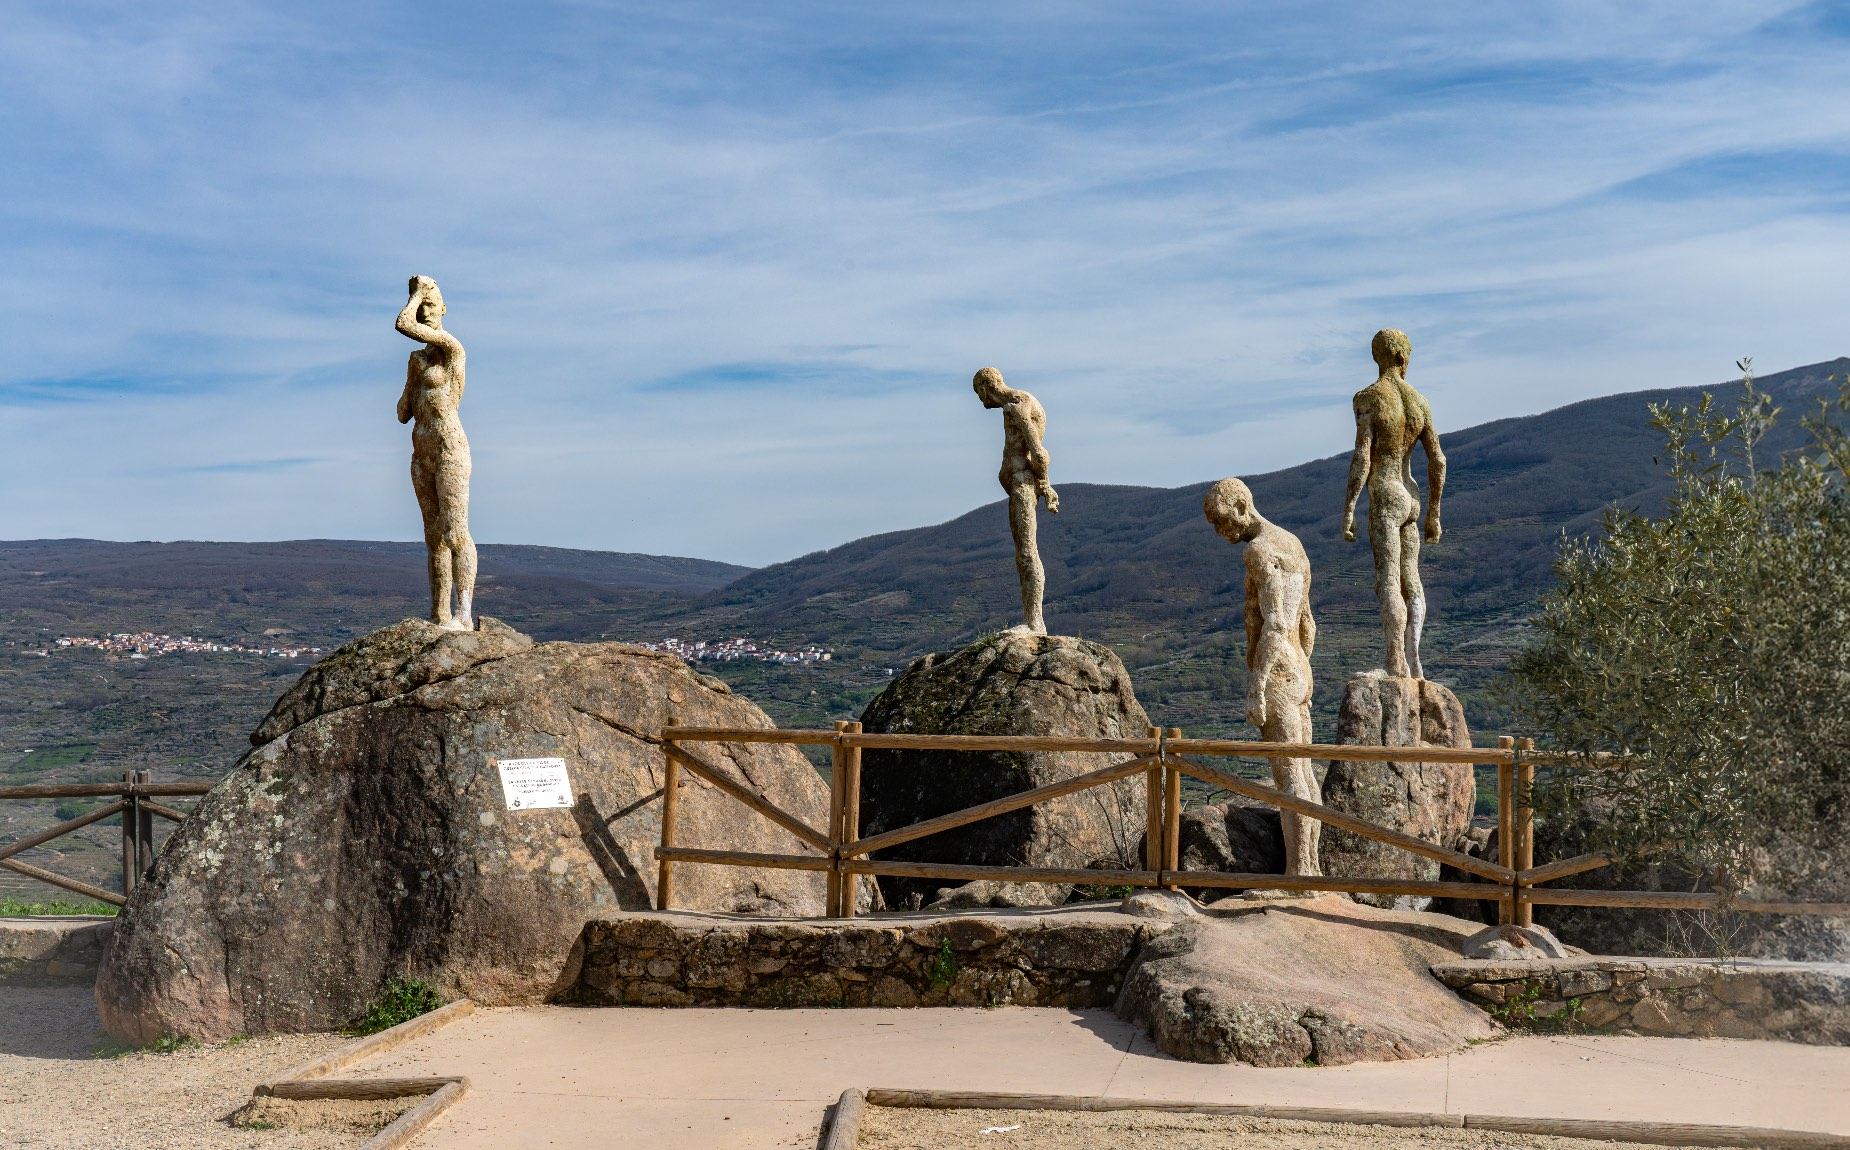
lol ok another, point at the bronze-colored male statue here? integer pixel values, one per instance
(1390, 417)
(1280, 635)
(1024, 477)
(439, 454)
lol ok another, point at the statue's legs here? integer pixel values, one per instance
(1303, 834)
(436, 550)
(1414, 592)
(1386, 520)
(453, 497)
(1027, 558)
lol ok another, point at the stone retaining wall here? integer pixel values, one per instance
(52, 951)
(1662, 997)
(1067, 958)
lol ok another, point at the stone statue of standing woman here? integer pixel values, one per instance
(1390, 417)
(439, 454)
(1024, 477)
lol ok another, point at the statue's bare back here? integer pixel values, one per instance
(1390, 418)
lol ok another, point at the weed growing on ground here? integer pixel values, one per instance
(942, 970)
(400, 1000)
(1519, 1010)
(11, 906)
(170, 1044)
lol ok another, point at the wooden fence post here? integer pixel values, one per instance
(1172, 814)
(1506, 825)
(131, 822)
(851, 820)
(1525, 830)
(144, 830)
(1153, 812)
(838, 802)
(671, 798)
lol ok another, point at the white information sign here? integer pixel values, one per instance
(528, 784)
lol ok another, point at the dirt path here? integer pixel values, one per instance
(58, 1093)
(893, 1129)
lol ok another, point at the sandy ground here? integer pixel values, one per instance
(907, 1129)
(62, 1087)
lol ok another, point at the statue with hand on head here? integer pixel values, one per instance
(1280, 634)
(1024, 477)
(440, 462)
(1390, 417)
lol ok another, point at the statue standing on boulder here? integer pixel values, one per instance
(1280, 634)
(439, 454)
(1390, 417)
(1024, 477)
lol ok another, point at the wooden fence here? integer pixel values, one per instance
(135, 801)
(1514, 881)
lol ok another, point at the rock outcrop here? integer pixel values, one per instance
(366, 835)
(1432, 801)
(1324, 981)
(1008, 684)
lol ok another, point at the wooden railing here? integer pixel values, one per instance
(1514, 882)
(135, 801)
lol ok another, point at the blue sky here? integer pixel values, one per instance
(724, 271)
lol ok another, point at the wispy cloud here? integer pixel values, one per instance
(788, 234)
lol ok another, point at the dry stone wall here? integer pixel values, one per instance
(1071, 958)
(1658, 997)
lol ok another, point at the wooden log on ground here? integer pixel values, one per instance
(983, 1100)
(844, 1131)
(63, 828)
(742, 858)
(1660, 1133)
(748, 796)
(372, 1044)
(58, 880)
(1278, 798)
(413, 1121)
(1000, 806)
(356, 1088)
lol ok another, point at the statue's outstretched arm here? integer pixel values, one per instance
(1360, 460)
(1435, 479)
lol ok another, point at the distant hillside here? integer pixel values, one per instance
(1135, 567)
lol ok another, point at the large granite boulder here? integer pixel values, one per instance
(1012, 683)
(1432, 801)
(1286, 983)
(367, 836)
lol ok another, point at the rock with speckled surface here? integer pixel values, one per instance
(367, 836)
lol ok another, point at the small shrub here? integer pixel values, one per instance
(941, 971)
(170, 1044)
(400, 1000)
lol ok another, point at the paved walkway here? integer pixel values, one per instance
(563, 1077)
